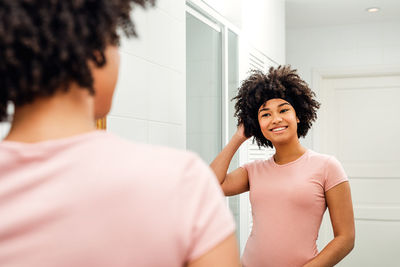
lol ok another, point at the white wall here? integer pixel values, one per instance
(149, 103)
(229, 9)
(263, 24)
(356, 45)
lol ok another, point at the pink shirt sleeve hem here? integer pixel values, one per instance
(337, 183)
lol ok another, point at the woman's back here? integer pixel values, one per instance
(97, 200)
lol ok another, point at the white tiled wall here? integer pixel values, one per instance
(342, 46)
(149, 103)
(264, 25)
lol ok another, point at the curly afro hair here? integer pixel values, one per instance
(45, 45)
(282, 82)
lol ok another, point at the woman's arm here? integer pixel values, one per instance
(342, 218)
(221, 163)
(237, 181)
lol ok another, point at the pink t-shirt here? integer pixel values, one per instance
(98, 200)
(288, 202)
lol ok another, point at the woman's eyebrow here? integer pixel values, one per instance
(263, 109)
(280, 105)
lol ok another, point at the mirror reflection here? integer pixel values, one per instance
(199, 133)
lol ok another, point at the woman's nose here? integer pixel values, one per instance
(276, 119)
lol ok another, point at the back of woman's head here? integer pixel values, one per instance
(45, 45)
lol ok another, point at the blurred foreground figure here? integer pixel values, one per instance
(74, 196)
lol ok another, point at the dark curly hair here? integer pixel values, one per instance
(45, 45)
(282, 82)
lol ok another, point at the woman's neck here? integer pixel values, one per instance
(61, 115)
(285, 153)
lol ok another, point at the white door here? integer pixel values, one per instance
(359, 123)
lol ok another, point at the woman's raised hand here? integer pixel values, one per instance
(240, 133)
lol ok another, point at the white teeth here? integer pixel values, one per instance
(278, 129)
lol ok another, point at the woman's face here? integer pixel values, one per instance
(105, 79)
(278, 121)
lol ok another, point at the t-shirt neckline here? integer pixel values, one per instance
(289, 163)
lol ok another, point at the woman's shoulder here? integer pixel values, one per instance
(150, 167)
(132, 148)
(256, 165)
(319, 157)
(325, 160)
(134, 158)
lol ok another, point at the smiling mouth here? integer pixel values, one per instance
(279, 129)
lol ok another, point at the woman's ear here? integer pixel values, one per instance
(297, 119)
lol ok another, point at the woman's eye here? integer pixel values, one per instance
(284, 110)
(265, 115)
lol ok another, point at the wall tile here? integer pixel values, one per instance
(158, 37)
(159, 90)
(137, 45)
(167, 135)
(132, 129)
(176, 9)
(131, 96)
(151, 87)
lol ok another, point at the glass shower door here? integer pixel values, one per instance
(203, 88)
(212, 73)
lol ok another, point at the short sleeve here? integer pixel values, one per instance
(246, 167)
(335, 173)
(249, 166)
(207, 219)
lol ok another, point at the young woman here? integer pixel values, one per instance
(73, 196)
(290, 191)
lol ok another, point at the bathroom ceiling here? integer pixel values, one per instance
(322, 13)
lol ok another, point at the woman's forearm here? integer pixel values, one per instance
(334, 252)
(221, 163)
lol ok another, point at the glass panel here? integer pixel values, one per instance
(233, 84)
(203, 89)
